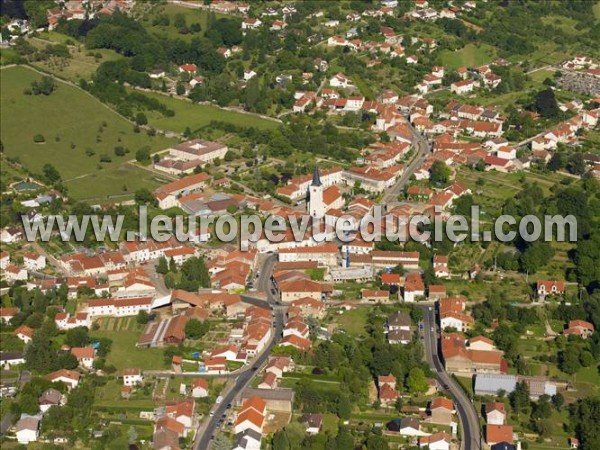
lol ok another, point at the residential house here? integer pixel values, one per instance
(24, 333)
(312, 422)
(495, 434)
(437, 441)
(495, 413)
(200, 388)
(27, 429)
(49, 398)
(85, 356)
(132, 377)
(441, 411)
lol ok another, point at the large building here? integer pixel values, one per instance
(185, 157)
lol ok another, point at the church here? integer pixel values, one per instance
(316, 203)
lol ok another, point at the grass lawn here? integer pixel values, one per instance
(124, 333)
(540, 75)
(597, 10)
(469, 56)
(109, 395)
(70, 117)
(196, 116)
(353, 321)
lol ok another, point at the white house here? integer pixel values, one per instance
(69, 377)
(251, 23)
(27, 429)
(462, 87)
(132, 377)
(437, 441)
(200, 388)
(85, 356)
(4, 260)
(340, 80)
(33, 261)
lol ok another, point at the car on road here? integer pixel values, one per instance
(219, 399)
(228, 406)
(211, 414)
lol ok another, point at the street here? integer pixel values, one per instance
(469, 418)
(207, 429)
(422, 147)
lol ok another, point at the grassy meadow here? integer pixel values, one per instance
(78, 130)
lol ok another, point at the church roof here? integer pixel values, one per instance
(316, 181)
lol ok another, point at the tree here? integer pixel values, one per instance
(141, 119)
(143, 154)
(221, 442)
(519, 398)
(77, 337)
(546, 104)
(163, 266)
(142, 317)
(576, 164)
(416, 381)
(344, 407)
(144, 197)
(280, 441)
(195, 329)
(50, 173)
(439, 173)
(558, 401)
(194, 275)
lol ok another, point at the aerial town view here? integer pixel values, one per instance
(298, 225)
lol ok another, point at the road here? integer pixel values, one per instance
(469, 419)
(422, 147)
(207, 429)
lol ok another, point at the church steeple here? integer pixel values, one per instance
(316, 181)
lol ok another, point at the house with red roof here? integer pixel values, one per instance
(580, 328)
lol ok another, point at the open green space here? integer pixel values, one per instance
(188, 114)
(191, 15)
(353, 321)
(82, 64)
(72, 123)
(470, 56)
(124, 333)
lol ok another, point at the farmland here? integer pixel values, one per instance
(75, 138)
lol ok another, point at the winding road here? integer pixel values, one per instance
(469, 419)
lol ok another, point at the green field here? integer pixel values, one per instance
(124, 333)
(66, 118)
(191, 15)
(196, 116)
(469, 56)
(83, 62)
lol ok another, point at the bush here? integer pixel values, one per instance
(38, 138)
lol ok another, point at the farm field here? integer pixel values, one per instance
(196, 116)
(71, 134)
(469, 56)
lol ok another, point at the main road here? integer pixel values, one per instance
(207, 429)
(469, 419)
(422, 146)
